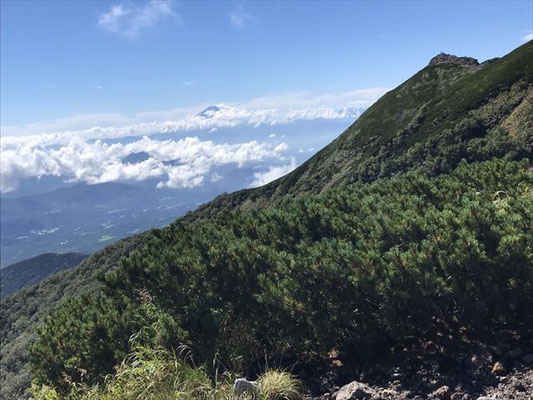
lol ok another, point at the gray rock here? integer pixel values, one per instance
(451, 59)
(443, 392)
(354, 391)
(243, 385)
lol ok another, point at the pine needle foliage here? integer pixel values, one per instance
(356, 269)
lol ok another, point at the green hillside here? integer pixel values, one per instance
(444, 113)
(447, 112)
(21, 311)
(35, 269)
(356, 269)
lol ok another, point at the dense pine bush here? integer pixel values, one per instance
(354, 269)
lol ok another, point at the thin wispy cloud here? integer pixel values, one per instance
(239, 17)
(130, 19)
(189, 83)
(527, 37)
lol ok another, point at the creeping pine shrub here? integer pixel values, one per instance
(356, 268)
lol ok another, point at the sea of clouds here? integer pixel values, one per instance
(50, 148)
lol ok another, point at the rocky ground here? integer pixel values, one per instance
(498, 367)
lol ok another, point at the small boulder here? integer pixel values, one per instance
(243, 385)
(443, 393)
(355, 391)
(498, 369)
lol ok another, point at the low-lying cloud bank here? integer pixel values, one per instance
(184, 163)
(266, 110)
(72, 148)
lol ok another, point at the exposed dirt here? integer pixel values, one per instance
(498, 367)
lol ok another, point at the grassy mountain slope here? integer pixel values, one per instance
(35, 269)
(442, 114)
(357, 269)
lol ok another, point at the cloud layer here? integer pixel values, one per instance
(527, 37)
(273, 173)
(266, 110)
(72, 147)
(184, 163)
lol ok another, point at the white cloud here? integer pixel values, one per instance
(273, 173)
(129, 20)
(265, 110)
(239, 18)
(181, 163)
(527, 37)
(69, 147)
(281, 147)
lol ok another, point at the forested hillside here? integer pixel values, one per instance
(356, 269)
(21, 312)
(35, 269)
(352, 267)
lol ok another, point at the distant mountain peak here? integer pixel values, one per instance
(444, 58)
(209, 112)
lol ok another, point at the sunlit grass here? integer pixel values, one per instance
(156, 374)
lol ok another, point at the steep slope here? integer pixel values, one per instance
(450, 110)
(33, 270)
(358, 269)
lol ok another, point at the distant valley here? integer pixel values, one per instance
(57, 214)
(85, 218)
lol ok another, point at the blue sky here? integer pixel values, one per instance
(65, 58)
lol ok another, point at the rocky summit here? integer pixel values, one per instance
(443, 58)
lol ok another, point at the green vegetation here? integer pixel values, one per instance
(153, 372)
(33, 270)
(156, 374)
(21, 311)
(443, 114)
(355, 269)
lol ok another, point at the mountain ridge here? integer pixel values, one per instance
(415, 126)
(361, 139)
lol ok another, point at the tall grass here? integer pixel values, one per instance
(157, 374)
